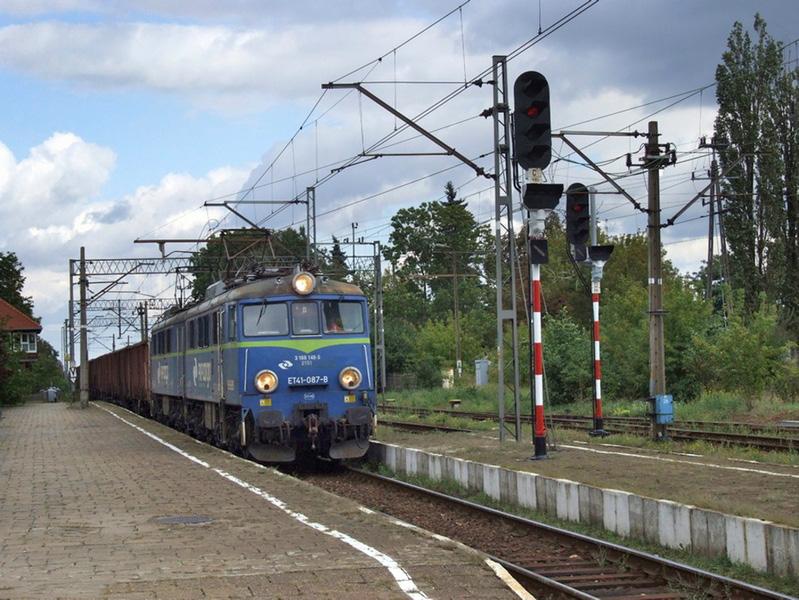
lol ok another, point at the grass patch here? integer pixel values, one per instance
(721, 566)
(703, 448)
(565, 435)
(710, 406)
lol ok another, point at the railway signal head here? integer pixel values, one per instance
(542, 196)
(599, 254)
(532, 139)
(578, 215)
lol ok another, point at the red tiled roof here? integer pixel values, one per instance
(13, 319)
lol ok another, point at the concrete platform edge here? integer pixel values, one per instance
(762, 545)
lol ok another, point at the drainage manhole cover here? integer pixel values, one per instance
(183, 520)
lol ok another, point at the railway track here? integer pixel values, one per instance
(550, 562)
(683, 431)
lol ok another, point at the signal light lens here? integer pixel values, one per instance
(266, 381)
(533, 111)
(349, 378)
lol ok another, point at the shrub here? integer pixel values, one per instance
(567, 359)
(746, 357)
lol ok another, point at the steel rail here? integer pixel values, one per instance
(652, 561)
(625, 425)
(414, 426)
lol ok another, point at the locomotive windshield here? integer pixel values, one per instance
(272, 319)
(342, 317)
(304, 318)
(265, 319)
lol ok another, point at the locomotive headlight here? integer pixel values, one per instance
(349, 378)
(266, 381)
(303, 283)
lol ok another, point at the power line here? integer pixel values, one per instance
(450, 96)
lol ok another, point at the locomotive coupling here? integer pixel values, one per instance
(312, 426)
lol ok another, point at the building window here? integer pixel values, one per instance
(27, 342)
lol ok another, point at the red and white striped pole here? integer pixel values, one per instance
(598, 421)
(539, 427)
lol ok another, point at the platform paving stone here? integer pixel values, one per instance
(82, 501)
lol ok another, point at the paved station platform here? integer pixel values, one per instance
(100, 503)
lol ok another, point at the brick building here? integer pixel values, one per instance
(24, 331)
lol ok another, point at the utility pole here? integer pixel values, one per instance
(380, 338)
(71, 316)
(458, 362)
(455, 305)
(507, 330)
(65, 348)
(354, 227)
(84, 342)
(143, 325)
(710, 233)
(715, 208)
(657, 362)
(725, 261)
(310, 221)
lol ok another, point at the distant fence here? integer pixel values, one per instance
(401, 381)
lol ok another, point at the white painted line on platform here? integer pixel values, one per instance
(760, 462)
(500, 571)
(159, 440)
(514, 585)
(682, 462)
(608, 445)
(690, 454)
(399, 574)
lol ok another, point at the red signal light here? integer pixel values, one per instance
(533, 112)
(578, 207)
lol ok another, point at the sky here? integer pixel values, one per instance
(121, 119)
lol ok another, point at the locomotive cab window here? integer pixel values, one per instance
(304, 318)
(342, 317)
(231, 322)
(265, 319)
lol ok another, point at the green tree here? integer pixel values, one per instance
(428, 245)
(756, 129)
(12, 282)
(338, 268)
(18, 381)
(750, 357)
(10, 388)
(431, 242)
(567, 359)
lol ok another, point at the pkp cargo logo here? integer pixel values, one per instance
(286, 364)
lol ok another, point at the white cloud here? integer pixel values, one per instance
(38, 7)
(59, 172)
(215, 65)
(52, 202)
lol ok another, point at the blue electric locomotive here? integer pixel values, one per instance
(272, 366)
